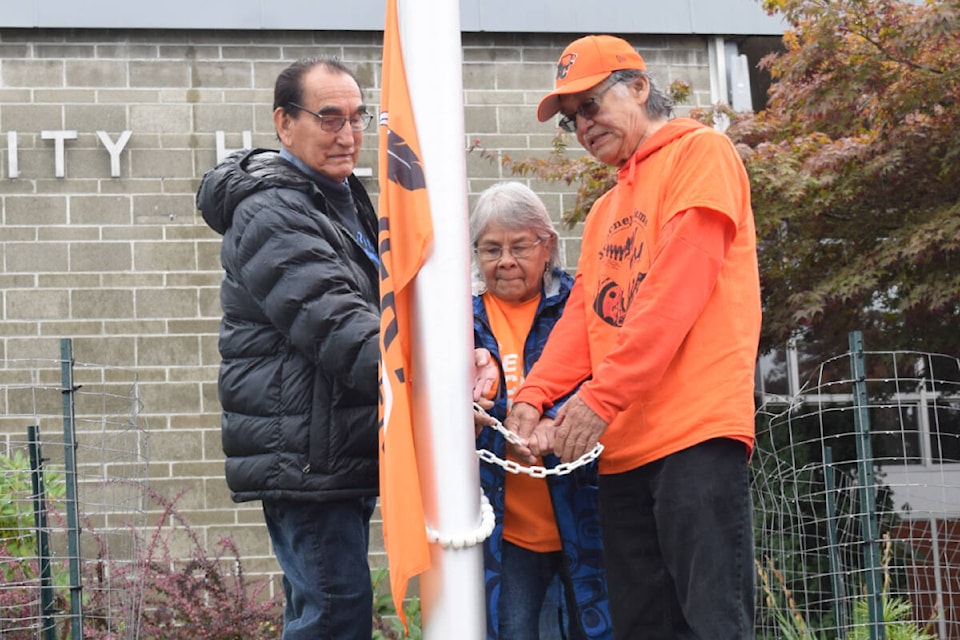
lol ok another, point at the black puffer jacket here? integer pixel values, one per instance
(299, 336)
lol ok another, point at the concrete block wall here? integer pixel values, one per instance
(106, 247)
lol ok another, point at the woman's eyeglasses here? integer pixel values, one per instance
(332, 123)
(587, 109)
(492, 252)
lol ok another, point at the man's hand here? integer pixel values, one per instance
(541, 441)
(577, 430)
(523, 420)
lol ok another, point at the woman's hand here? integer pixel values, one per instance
(485, 374)
(523, 420)
(480, 419)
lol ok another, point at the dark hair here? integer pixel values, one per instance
(289, 85)
(659, 104)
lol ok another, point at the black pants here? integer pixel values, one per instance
(678, 545)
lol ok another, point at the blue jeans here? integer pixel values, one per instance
(678, 545)
(322, 549)
(527, 578)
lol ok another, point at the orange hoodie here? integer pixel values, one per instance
(665, 312)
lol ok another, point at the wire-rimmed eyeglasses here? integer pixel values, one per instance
(333, 122)
(587, 109)
(493, 252)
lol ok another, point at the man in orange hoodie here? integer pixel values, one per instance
(662, 325)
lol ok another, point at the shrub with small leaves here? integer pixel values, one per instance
(208, 596)
(202, 595)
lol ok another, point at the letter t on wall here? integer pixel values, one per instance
(58, 137)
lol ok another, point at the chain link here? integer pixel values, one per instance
(487, 518)
(534, 471)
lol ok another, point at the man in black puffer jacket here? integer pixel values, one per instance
(299, 345)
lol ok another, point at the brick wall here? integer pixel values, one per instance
(108, 248)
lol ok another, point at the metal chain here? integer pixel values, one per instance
(534, 471)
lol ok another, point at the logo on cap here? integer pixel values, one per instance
(563, 65)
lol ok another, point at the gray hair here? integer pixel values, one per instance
(515, 206)
(659, 104)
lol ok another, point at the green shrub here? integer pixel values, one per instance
(386, 623)
(898, 622)
(205, 596)
(17, 526)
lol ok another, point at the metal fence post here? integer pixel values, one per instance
(47, 625)
(871, 536)
(70, 466)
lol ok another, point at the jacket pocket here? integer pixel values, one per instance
(342, 438)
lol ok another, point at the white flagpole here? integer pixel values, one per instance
(451, 592)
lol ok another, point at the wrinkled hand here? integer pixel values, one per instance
(522, 420)
(542, 439)
(577, 430)
(485, 373)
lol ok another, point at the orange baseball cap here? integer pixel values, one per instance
(584, 63)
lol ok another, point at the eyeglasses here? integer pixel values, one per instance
(491, 253)
(332, 123)
(587, 109)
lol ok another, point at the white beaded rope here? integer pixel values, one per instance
(473, 538)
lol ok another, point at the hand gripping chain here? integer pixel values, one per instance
(487, 518)
(532, 471)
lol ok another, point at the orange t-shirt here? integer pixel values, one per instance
(528, 519)
(672, 361)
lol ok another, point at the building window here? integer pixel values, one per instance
(735, 76)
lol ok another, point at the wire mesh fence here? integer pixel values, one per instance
(857, 500)
(73, 458)
(856, 496)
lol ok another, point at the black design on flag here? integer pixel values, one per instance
(403, 165)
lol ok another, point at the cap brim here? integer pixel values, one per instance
(550, 104)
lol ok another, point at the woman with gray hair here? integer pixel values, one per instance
(513, 206)
(546, 529)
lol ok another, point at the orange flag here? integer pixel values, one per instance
(406, 232)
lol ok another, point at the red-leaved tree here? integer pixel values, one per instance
(855, 175)
(854, 165)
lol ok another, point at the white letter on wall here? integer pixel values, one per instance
(13, 168)
(114, 149)
(223, 152)
(58, 137)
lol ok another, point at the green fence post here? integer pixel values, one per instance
(47, 624)
(871, 536)
(70, 465)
